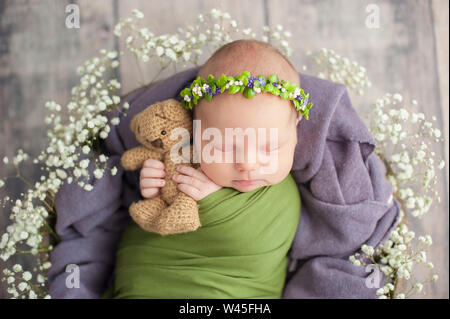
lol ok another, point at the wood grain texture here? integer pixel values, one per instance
(407, 54)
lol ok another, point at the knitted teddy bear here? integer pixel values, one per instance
(173, 211)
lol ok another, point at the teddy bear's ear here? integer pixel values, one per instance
(133, 124)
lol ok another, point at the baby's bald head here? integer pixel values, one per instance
(248, 55)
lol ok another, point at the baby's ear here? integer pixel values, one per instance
(299, 117)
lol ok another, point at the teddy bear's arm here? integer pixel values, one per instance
(135, 157)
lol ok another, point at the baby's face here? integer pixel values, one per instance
(254, 162)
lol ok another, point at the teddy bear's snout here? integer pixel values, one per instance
(157, 143)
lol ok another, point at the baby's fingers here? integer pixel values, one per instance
(150, 172)
(190, 191)
(150, 192)
(189, 180)
(197, 174)
(154, 164)
(152, 182)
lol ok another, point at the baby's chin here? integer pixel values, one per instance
(247, 188)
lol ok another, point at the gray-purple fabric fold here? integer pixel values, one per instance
(344, 192)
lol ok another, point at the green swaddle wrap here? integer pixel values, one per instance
(240, 251)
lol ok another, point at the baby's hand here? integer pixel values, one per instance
(194, 182)
(152, 178)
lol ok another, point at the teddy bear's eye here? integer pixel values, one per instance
(163, 132)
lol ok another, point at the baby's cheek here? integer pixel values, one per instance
(218, 173)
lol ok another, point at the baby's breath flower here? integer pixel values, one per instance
(115, 121)
(98, 173)
(138, 14)
(17, 267)
(26, 275)
(418, 287)
(22, 286)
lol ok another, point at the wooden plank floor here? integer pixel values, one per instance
(407, 54)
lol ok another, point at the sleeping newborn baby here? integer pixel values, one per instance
(249, 211)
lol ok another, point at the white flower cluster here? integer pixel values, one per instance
(23, 285)
(394, 127)
(197, 90)
(231, 82)
(294, 94)
(73, 145)
(79, 135)
(278, 37)
(339, 69)
(396, 258)
(188, 45)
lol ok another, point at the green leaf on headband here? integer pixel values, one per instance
(241, 88)
(233, 89)
(221, 81)
(186, 91)
(256, 84)
(276, 91)
(230, 78)
(249, 93)
(213, 88)
(290, 86)
(242, 78)
(208, 97)
(268, 88)
(306, 114)
(210, 78)
(246, 74)
(222, 89)
(273, 78)
(284, 95)
(296, 103)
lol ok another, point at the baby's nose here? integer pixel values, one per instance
(247, 166)
(249, 163)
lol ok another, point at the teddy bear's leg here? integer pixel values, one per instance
(180, 217)
(145, 211)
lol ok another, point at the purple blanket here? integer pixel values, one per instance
(344, 193)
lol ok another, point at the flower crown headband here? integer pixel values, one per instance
(247, 84)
